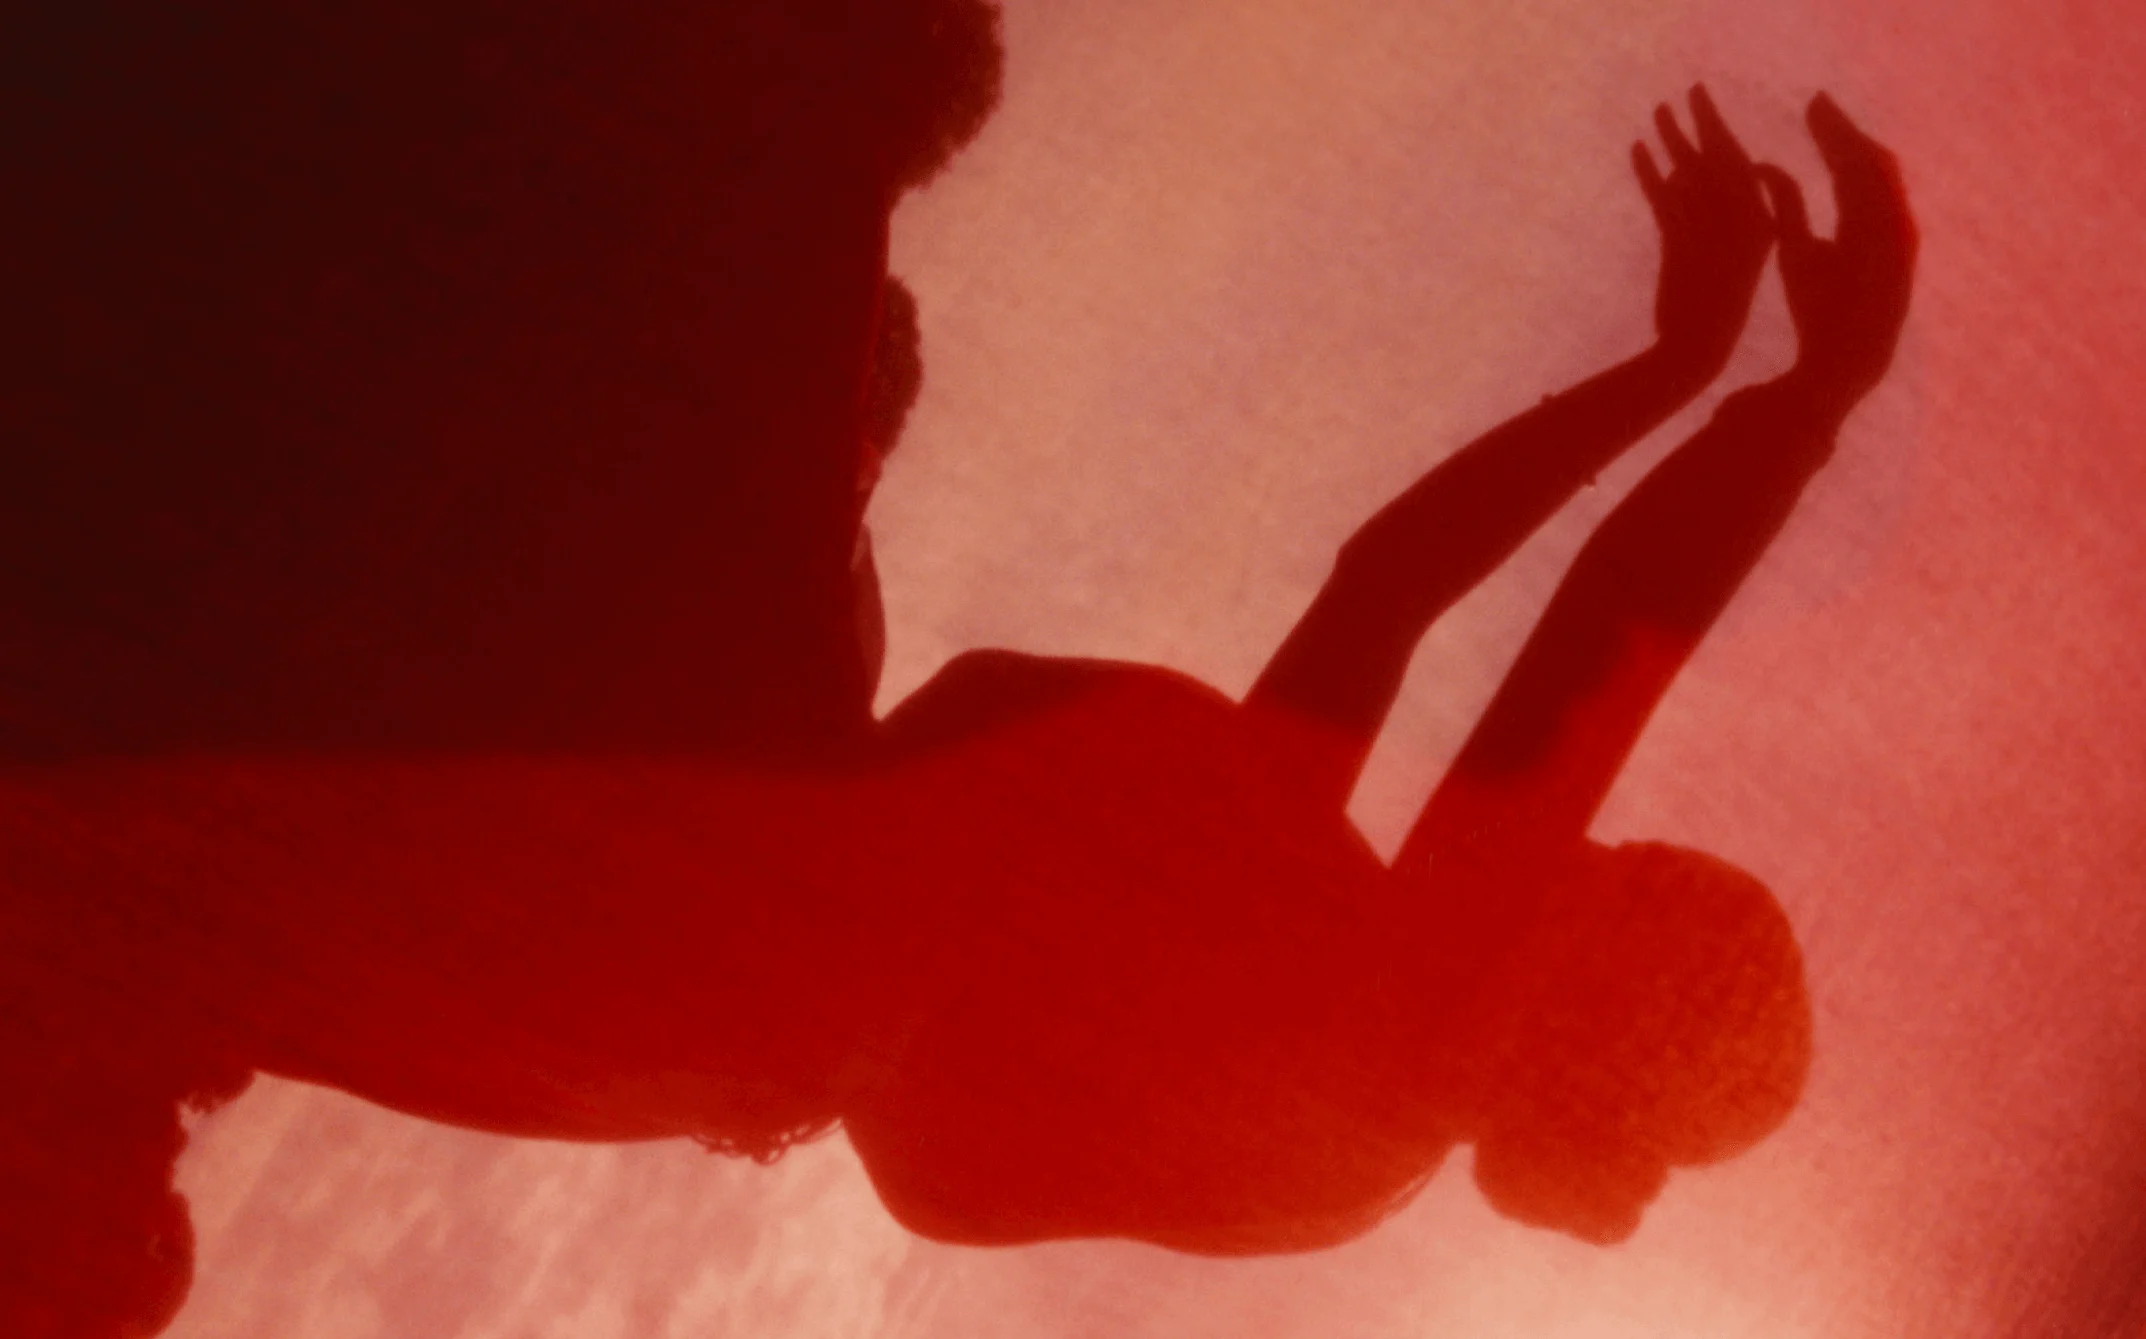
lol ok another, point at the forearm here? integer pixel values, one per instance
(1343, 662)
(1470, 513)
(1638, 599)
(1675, 551)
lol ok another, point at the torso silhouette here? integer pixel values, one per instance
(1138, 1022)
(1030, 959)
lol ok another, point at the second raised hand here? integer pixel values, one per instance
(1848, 293)
(1716, 233)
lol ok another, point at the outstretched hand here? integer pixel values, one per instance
(1716, 233)
(1849, 294)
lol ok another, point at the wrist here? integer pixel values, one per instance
(1789, 410)
(1810, 396)
(1680, 372)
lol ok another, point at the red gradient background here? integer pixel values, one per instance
(1216, 281)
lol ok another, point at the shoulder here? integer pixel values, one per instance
(987, 692)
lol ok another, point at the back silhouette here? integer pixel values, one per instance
(440, 636)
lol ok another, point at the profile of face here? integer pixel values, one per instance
(1657, 1018)
(453, 375)
(891, 386)
(419, 377)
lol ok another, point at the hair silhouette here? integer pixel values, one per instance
(463, 376)
(439, 639)
(430, 381)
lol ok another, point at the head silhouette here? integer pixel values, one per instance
(415, 377)
(451, 375)
(1656, 1017)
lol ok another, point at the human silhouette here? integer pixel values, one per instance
(439, 635)
(1205, 1018)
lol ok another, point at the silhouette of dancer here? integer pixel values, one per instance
(1187, 1007)
(503, 756)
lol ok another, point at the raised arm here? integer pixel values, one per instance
(1664, 565)
(1342, 665)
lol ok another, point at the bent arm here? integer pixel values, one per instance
(1342, 665)
(1640, 596)
(1660, 570)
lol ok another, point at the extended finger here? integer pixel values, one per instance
(1651, 182)
(1681, 153)
(1832, 128)
(1715, 137)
